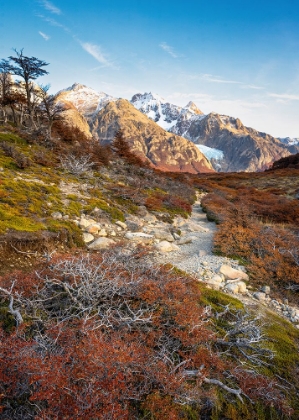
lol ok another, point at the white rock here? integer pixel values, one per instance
(121, 224)
(261, 296)
(242, 287)
(217, 279)
(166, 246)
(232, 287)
(56, 215)
(176, 236)
(138, 236)
(101, 243)
(202, 253)
(87, 237)
(84, 223)
(266, 289)
(150, 218)
(163, 235)
(213, 285)
(102, 232)
(93, 229)
(232, 273)
(185, 240)
(112, 233)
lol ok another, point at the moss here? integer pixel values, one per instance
(7, 321)
(112, 211)
(217, 300)
(11, 219)
(68, 233)
(74, 208)
(11, 138)
(283, 338)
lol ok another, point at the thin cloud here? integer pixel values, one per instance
(54, 22)
(95, 51)
(284, 96)
(45, 36)
(216, 79)
(168, 49)
(50, 7)
(252, 87)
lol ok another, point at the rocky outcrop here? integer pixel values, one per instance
(244, 149)
(225, 140)
(163, 150)
(86, 100)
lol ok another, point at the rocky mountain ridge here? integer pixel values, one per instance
(224, 140)
(106, 115)
(243, 148)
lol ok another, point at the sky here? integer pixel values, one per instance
(238, 58)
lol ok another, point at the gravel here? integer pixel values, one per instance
(196, 257)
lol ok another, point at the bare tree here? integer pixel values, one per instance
(50, 109)
(29, 68)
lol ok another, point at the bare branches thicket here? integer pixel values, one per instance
(76, 165)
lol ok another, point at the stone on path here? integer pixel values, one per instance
(87, 237)
(101, 243)
(232, 273)
(121, 224)
(261, 296)
(166, 246)
(138, 236)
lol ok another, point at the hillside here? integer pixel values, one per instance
(160, 342)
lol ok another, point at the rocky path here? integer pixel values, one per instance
(196, 257)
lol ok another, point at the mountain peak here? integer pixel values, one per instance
(77, 86)
(193, 107)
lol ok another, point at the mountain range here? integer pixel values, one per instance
(172, 137)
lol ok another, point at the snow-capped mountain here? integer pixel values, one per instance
(225, 140)
(289, 141)
(165, 114)
(87, 101)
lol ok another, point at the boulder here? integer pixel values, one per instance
(185, 240)
(134, 226)
(139, 236)
(232, 273)
(101, 243)
(261, 296)
(176, 236)
(217, 279)
(163, 235)
(232, 288)
(102, 232)
(121, 224)
(84, 223)
(165, 246)
(202, 253)
(87, 237)
(242, 287)
(150, 218)
(56, 215)
(266, 290)
(93, 229)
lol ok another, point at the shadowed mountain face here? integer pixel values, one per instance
(158, 130)
(243, 148)
(106, 115)
(164, 150)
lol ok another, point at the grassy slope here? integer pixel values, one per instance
(29, 196)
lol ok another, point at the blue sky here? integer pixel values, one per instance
(235, 58)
